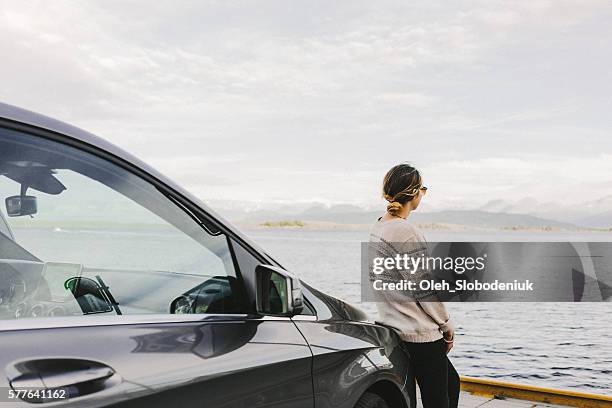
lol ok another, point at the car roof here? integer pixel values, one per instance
(16, 114)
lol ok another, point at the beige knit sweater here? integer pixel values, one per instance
(417, 321)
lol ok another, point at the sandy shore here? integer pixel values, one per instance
(331, 226)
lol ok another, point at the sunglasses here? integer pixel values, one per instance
(423, 189)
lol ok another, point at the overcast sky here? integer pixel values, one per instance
(314, 100)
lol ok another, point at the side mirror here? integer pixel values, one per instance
(278, 293)
(17, 206)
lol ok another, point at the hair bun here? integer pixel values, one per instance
(394, 208)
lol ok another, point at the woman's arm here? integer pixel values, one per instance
(438, 313)
(427, 300)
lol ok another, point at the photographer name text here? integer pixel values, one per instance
(458, 285)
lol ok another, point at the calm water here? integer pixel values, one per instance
(559, 345)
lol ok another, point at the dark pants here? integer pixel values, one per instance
(438, 380)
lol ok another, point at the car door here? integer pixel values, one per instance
(112, 293)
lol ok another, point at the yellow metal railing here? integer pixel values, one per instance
(498, 389)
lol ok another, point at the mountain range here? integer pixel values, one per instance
(590, 214)
(526, 212)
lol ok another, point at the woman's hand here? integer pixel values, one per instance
(449, 338)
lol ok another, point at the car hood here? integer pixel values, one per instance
(339, 308)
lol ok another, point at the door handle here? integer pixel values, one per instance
(70, 377)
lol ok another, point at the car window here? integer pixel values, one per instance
(89, 237)
(4, 227)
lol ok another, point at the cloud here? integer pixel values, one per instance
(407, 99)
(543, 13)
(317, 100)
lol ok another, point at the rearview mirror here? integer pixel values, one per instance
(17, 206)
(279, 293)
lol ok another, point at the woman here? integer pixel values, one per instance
(423, 322)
